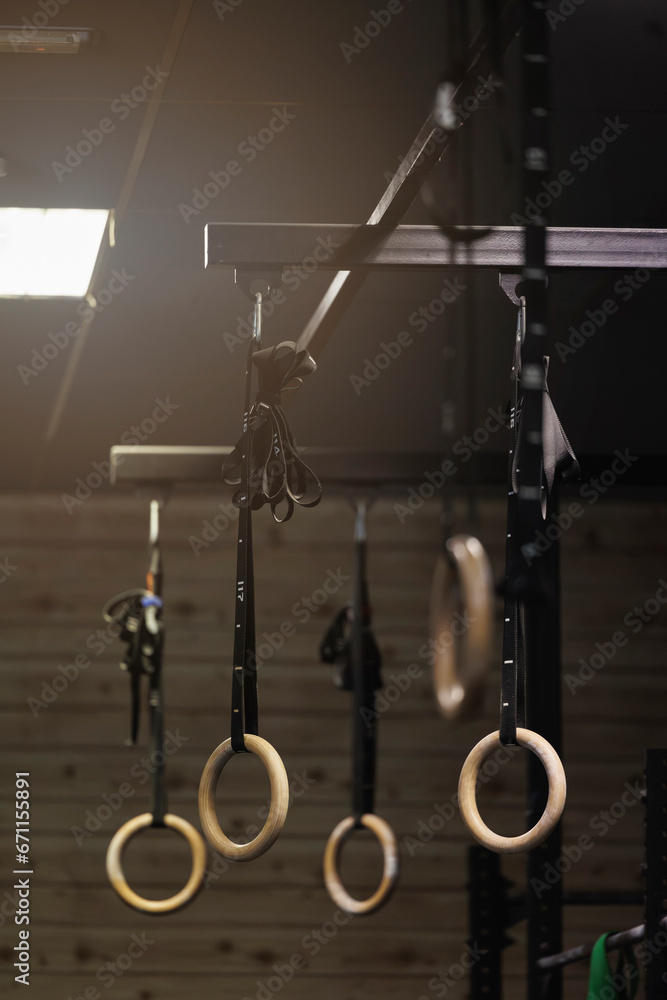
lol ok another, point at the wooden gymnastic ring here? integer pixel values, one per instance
(335, 887)
(275, 821)
(117, 878)
(459, 669)
(555, 801)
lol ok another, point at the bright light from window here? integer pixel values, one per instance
(49, 252)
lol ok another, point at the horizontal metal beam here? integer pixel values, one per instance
(167, 465)
(392, 471)
(615, 941)
(290, 247)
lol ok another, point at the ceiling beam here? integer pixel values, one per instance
(359, 249)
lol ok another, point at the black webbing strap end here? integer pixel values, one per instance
(364, 738)
(238, 712)
(365, 664)
(508, 704)
(244, 712)
(158, 796)
(135, 695)
(158, 799)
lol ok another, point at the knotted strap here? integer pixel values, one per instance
(277, 473)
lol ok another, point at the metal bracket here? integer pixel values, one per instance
(252, 282)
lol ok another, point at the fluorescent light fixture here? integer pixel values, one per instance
(49, 252)
(59, 41)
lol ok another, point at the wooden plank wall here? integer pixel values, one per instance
(258, 915)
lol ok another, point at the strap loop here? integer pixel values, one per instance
(624, 983)
(276, 472)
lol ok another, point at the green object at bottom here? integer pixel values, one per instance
(605, 985)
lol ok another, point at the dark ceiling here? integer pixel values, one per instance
(351, 120)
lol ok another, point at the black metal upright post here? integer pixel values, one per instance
(656, 874)
(487, 920)
(544, 896)
(542, 608)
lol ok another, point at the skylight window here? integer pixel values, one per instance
(49, 252)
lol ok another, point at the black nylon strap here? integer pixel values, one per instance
(158, 795)
(133, 663)
(152, 648)
(366, 665)
(125, 610)
(139, 613)
(266, 464)
(512, 685)
(358, 658)
(245, 708)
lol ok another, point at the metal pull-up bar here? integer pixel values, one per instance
(634, 935)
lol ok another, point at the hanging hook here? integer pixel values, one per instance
(361, 505)
(361, 508)
(521, 325)
(257, 331)
(154, 531)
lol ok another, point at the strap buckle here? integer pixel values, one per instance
(260, 413)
